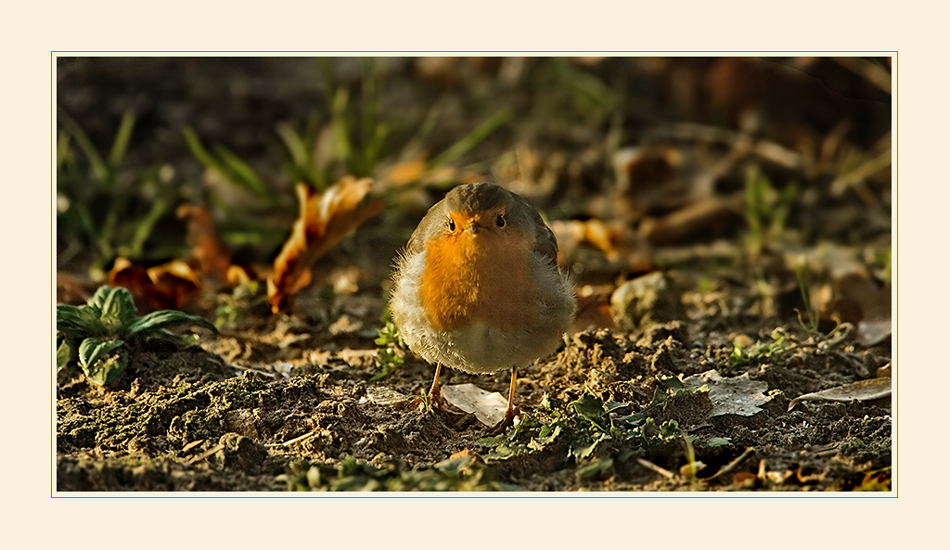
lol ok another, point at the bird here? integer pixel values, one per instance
(478, 289)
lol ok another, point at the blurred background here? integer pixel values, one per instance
(755, 185)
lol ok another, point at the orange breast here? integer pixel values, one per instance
(484, 278)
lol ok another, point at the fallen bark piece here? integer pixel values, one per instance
(488, 407)
(864, 390)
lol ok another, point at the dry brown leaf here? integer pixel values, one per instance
(210, 254)
(864, 390)
(468, 453)
(135, 279)
(617, 240)
(325, 218)
(177, 281)
(406, 172)
(238, 275)
(168, 286)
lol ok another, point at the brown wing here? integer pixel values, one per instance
(545, 243)
(431, 222)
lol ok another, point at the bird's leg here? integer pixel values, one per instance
(512, 411)
(435, 392)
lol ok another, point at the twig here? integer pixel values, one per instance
(872, 72)
(651, 466)
(206, 454)
(768, 150)
(732, 465)
(244, 369)
(855, 177)
(303, 437)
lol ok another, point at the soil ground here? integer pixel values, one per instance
(297, 400)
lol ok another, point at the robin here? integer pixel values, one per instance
(478, 288)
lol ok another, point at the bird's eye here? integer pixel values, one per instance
(451, 224)
(500, 222)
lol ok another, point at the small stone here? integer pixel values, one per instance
(645, 301)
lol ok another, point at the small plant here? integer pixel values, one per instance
(804, 284)
(766, 210)
(596, 434)
(242, 300)
(692, 466)
(105, 324)
(775, 350)
(391, 354)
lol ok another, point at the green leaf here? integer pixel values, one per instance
(63, 354)
(102, 360)
(671, 382)
(670, 428)
(506, 451)
(594, 469)
(547, 435)
(631, 420)
(584, 447)
(456, 464)
(159, 319)
(117, 308)
(493, 441)
(78, 322)
(99, 298)
(591, 409)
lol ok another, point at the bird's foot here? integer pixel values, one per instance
(507, 421)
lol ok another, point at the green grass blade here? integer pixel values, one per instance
(62, 149)
(198, 150)
(241, 172)
(144, 229)
(98, 167)
(341, 131)
(473, 138)
(121, 142)
(414, 145)
(294, 144)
